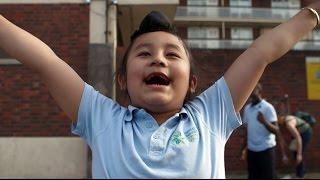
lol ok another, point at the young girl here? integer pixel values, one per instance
(159, 135)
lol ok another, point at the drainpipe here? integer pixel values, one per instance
(112, 36)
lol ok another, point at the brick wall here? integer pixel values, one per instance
(26, 108)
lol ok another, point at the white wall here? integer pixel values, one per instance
(98, 22)
(43, 157)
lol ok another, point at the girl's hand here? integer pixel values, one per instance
(246, 70)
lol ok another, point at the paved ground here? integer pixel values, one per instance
(311, 175)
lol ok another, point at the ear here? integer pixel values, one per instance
(193, 83)
(122, 82)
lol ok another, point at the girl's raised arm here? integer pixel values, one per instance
(246, 71)
(63, 82)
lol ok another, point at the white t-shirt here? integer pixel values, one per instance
(259, 137)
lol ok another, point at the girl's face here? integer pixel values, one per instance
(158, 71)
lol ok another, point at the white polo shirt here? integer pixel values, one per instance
(259, 137)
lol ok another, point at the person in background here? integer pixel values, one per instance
(301, 133)
(262, 128)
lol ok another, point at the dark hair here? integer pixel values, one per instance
(154, 21)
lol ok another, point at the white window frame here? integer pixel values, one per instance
(202, 2)
(242, 31)
(244, 3)
(207, 32)
(316, 35)
(312, 36)
(286, 4)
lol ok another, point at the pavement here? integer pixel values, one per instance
(311, 175)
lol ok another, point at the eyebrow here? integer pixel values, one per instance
(174, 46)
(142, 45)
(167, 45)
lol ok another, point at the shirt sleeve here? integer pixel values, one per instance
(95, 113)
(216, 109)
(270, 114)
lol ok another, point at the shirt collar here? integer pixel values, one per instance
(183, 113)
(131, 111)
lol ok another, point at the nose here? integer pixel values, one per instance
(159, 61)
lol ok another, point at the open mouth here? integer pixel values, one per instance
(157, 79)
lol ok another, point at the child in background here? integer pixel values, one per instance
(160, 135)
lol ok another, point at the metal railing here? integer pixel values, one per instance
(233, 14)
(244, 44)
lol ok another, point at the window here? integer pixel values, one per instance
(316, 35)
(285, 3)
(203, 33)
(241, 33)
(202, 3)
(312, 36)
(264, 30)
(240, 3)
(308, 37)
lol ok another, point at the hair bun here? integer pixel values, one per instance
(154, 21)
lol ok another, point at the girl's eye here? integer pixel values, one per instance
(174, 55)
(144, 54)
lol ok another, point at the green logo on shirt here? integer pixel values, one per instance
(179, 139)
